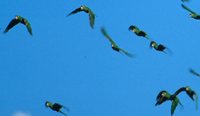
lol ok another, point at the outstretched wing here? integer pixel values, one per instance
(12, 23)
(186, 8)
(185, 0)
(103, 31)
(195, 96)
(179, 91)
(91, 18)
(75, 11)
(175, 103)
(125, 52)
(192, 94)
(194, 72)
(66, 108)
(28, 26)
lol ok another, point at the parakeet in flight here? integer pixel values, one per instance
(165, 96)
(86, 10)
(192, 94)
(56, 107)
(192, 13)
(16, 20)
(138, 32)
(159, 47)
(113, 44)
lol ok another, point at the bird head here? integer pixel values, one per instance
(187, 89)
(192, 15)
(82, 7)
(47, 103)
(152, 44)
(16, 17)
(163, 94)
(132, 27)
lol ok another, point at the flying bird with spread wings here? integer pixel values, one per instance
(193, 14)
(191, 93)
(86, 10)
(165, 96)
(113, 44)
(19, 19)
(56, 107)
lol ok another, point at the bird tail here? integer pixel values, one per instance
(63, 113)
(169, 51)
(147, 37)
(66, 108)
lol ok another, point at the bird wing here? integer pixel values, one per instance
(113, 43)
(63, 113)
(185, 0)
(57, 106)
(179, 91)
(186, 8)
(175, 102)
(75, 11)
(91, 18)
(195, 96)
(12, 23)
(194, 72)
(196, 101)
(192, 94)
(66, 108)
(125, 52)
(28, 26)
(103, 31)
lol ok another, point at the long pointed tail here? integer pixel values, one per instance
(147, 37)
(63, 113)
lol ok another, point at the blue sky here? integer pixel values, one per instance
(65, 61)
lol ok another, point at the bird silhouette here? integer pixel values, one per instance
(56, 107)
(138, 32)
(192, 13)
(86, 10)
(160, 47)
(165, 96)
(113, 44)
(18, 19)
(192, 94)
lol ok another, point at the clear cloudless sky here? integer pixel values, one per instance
(66, 61)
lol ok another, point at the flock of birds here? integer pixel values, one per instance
(163, 95)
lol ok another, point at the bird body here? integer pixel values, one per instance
(55, 107)
(16, 20)
(86, 10)
(158, 47)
